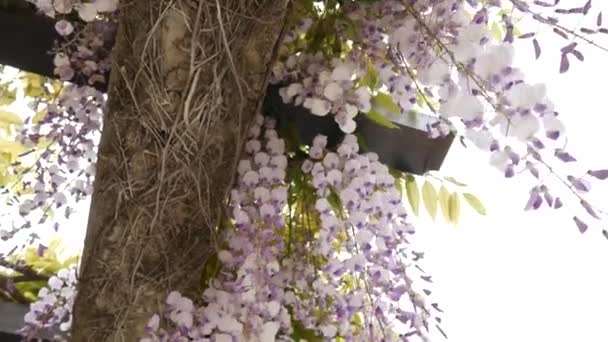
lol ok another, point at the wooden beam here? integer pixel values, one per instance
(11, 320)
(11, 317)
(26, 42)
(7, 337)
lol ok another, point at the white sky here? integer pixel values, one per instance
(513, 275)
(529, 276)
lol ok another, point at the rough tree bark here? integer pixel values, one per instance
(188, 76)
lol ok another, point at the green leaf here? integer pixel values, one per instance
(444, 197)
(358, 322)
(413, 195)
(454, 181)
(516, 31)
(70, 261)
(380, 119)
(7, 96)
(348, 26)
(496, 31)
(399, 184)
(301, 333)
(420, 100)
(385, 101)
(9, 118)
(504, 11)
(454, 208)
(429, 197)
(361, 141)
(33, 84)
(14, 149)
(39, 116)
(334, 201)
(212, 267)
(371, 79)
(336, 46)
(475, 203)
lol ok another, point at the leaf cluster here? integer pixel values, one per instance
(23, 275)
(437, 194)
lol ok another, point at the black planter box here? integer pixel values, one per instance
(306, 125)
(407, 148)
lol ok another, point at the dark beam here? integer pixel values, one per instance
(26, 42)
(11, 318)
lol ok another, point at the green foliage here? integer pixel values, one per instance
(301, 333)
(380, 119)
(454, 208)
(24, 87)
(385, 101)
(430, 198)
(303, 221)
(330, 32)
(212, 267)
(454, 181)
(43, 265)
(50, 261)
(371, 78)
(7, 96)
(413, 195)
(444, 197)
(7, 119)
(444, 200)
(475, 203)
(323, 35)
(497, 31)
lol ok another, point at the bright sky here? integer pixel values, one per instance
(529, 276)
(514, 275)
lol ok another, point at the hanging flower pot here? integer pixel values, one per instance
(305, 124)
(406, 146)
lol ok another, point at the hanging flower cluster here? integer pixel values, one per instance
(87, 10)
(361, 279)
(397, 43)
(457, 68)
(65, 168)
(85, 51)
(363, 274)
(364, 240)
(350, 274)
(67, 126)
(437, 56)
(51, 316)
(324, 88)
(246, 300)
(396, 55)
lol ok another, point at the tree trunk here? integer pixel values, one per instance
(187, 78)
